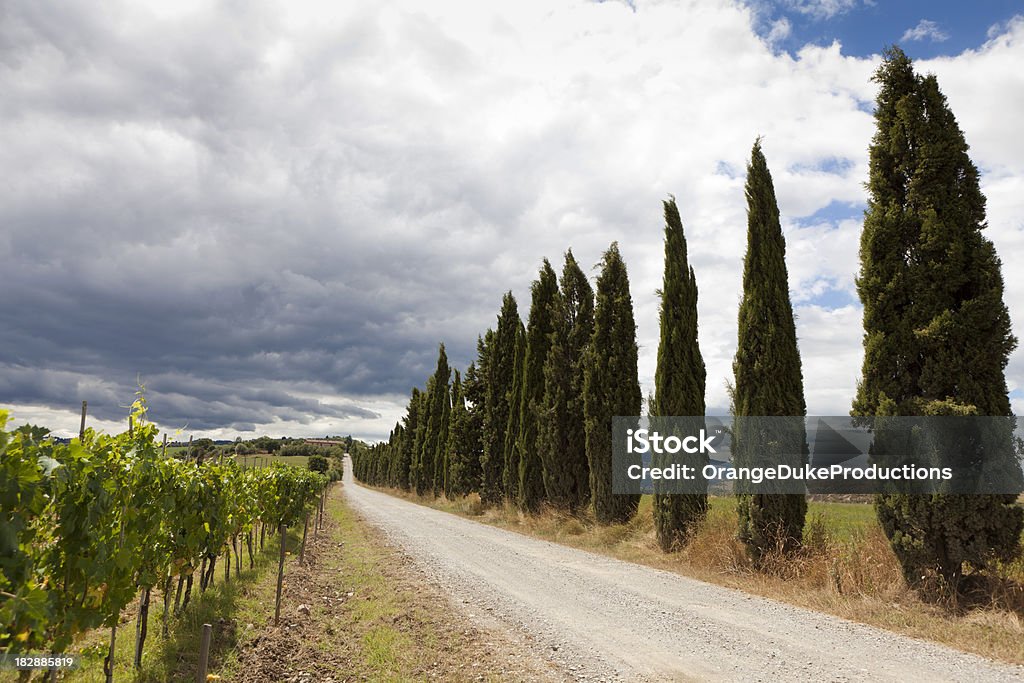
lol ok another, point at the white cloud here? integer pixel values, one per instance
(925, 30)
(306, 198)
(779, 31)
(821, 9)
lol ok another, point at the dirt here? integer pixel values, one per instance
(318, 639)
(600, 618)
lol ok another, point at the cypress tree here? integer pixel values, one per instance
(437, 397)
(490, 479)
(679, 381)
(406, 442)
(610, 386)
(395, 455)
(456, 452)
(474, 389)
(466, 443)
(767, 369)
(420, 437)
(561, 435)
(510, 472)
(538, 343)
(500, 371)
(441, 447)
(937, 332)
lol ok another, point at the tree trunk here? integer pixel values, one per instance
(202, 575)
(141, 626)
(167, 603)
(188, 592)
(177, 595)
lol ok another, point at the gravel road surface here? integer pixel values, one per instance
(603, 619)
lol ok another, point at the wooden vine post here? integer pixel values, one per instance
(81, 429)
(280, 573)
(302, 550)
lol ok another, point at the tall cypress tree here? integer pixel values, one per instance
(679, 381)
(937, 333)
(441, 447)
(456, 451)
(416, 479)
(490, 478)
(437, 397)
(510, 473)
(474, 389)
(768, 375)
(538, 343)
(500, 371)
(611, 386)
(561, 435)
(406, 441)
(399, 476)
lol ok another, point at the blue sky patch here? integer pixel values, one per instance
(831, 299)
(835, 165)
(865, 27)
(834, 212)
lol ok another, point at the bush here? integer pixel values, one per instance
(318, 463)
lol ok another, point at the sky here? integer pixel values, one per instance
(270, 213)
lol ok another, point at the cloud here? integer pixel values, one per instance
(273, 214)
(780, 30)
(820, 9)
(925, 30)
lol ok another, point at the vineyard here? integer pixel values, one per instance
(91, 525)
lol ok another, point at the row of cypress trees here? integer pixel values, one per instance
(530, 422)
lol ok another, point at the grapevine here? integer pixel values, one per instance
(88, 525)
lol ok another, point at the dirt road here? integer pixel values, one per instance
(600, 618)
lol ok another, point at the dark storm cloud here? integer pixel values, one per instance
(176, 213)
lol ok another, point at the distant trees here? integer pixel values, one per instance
(936, 331)
(768, 374)
(679, 380)
(530, 421)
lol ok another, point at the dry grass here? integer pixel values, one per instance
(846, 568)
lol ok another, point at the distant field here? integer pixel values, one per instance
(251, 460)
(842, 519)
(265, 459)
